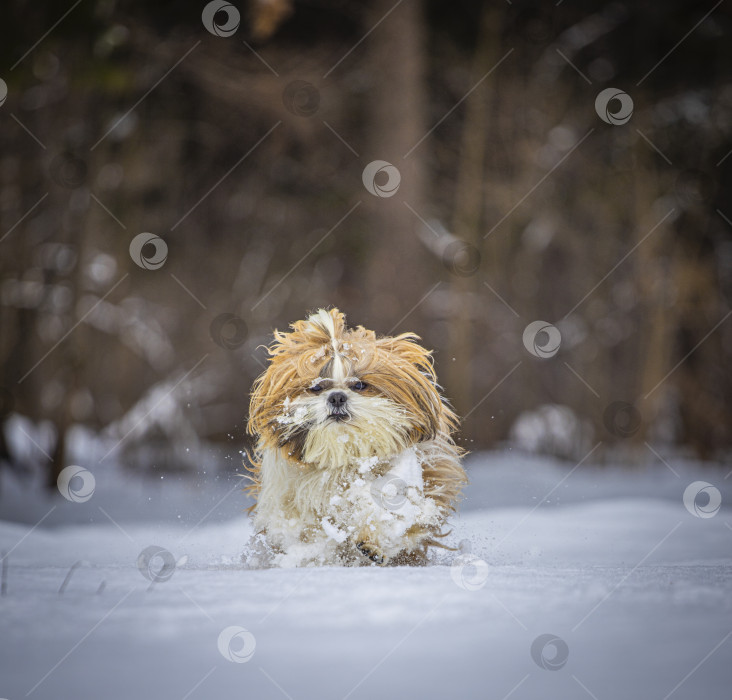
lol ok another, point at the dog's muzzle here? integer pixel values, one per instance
(337, 406)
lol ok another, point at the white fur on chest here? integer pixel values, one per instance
(308, 512)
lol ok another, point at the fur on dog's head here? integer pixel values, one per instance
(333, 396)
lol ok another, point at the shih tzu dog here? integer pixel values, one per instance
(354, 460)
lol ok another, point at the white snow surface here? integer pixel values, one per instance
(608, 560)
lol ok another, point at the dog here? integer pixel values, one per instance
(354, 461)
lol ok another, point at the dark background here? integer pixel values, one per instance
(516, 203)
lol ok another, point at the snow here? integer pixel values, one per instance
(610, 562)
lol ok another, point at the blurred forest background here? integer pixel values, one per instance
(244, 153)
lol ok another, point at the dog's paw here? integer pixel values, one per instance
(371, 552)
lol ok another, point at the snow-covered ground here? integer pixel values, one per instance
(604, 573)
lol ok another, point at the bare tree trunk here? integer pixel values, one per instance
(397, 274)
(657, 326)
(467, 216)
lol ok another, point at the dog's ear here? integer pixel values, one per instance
(414, 384)
(285, 375)
(261, 406)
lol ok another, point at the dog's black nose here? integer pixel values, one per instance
(337, 399)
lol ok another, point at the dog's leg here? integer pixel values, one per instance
(372, 552)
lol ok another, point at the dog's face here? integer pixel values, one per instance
(333, 396)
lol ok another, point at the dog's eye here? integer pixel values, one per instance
(316, 388)
(359, 386)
